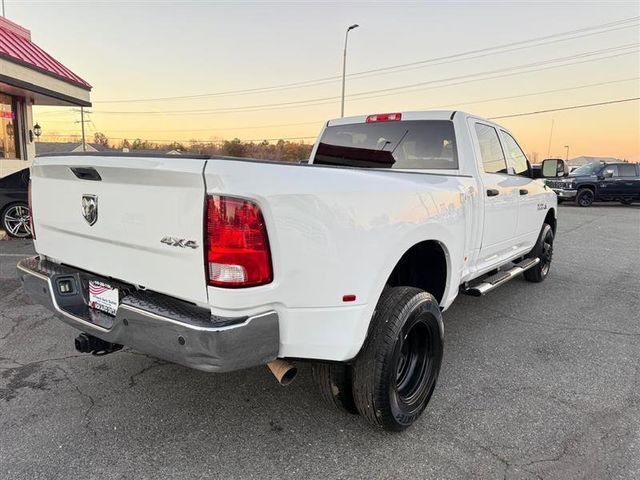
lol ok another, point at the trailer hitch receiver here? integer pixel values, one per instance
(86, 343)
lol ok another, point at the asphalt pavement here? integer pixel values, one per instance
(539, 381)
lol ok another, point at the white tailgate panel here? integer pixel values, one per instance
(140, 201)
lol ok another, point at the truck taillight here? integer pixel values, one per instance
(237, 244)
(384, 117)
(33, 230)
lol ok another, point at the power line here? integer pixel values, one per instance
(620, 24)
(504, 75)
(506, 69)
(573, 107)
(319, 122)
(372, 93)
(536, 112)
(556, 90)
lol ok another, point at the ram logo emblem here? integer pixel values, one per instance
(90, 208)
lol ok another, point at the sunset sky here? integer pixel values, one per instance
(134, 51)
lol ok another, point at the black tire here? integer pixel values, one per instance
(15, 220)
(626, 201)
(585, 197)
(543, 250)
(396, 371)
(334, 382)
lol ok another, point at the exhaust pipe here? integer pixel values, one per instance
(285, 372)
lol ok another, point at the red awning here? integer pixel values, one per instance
(16, 46)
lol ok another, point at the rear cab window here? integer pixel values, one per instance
(406, 144)
(627, 170)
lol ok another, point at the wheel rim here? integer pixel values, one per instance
(417, 361)
(16, 221)
(586, 198)
(547, 253)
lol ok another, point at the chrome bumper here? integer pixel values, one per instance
(565, 193)
(155, 324)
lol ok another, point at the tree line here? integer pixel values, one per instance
(283, 150)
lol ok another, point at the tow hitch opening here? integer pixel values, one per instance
(86, 343)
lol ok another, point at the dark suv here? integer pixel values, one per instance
(599, 181)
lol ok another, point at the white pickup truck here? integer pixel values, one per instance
(348, 261)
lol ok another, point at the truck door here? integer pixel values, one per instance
(634, 183)
(500, 193)
(609, 182)
(624, 182)
(531, 205)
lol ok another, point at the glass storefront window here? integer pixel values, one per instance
(8, 128)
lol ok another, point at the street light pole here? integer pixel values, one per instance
(567, 153)
(344, 65)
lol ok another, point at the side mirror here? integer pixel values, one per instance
(554, 167)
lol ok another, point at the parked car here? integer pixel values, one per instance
(348, 261)
(14, 209)
(600, 181)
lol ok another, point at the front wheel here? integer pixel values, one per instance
(585, 197)
(626, 201)
(543, 250)
(395, 373)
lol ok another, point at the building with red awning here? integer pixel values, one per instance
(29, 76)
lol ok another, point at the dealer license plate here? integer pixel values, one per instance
(103, 297)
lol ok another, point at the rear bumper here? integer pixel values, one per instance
(155, 324)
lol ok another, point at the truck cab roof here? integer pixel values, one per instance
(410, 115)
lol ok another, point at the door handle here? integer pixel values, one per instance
(492, 192)
(524, 191)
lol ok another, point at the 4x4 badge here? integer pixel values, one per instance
(90, 208)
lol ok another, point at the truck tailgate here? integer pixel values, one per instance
(139, 202)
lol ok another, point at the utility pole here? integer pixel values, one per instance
(84, 143)
(82, 122)
(344, 65)
(3, 8)
(567, 153)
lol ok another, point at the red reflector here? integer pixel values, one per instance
(384, 117)
(349, 298)
(33, 232)
(237, 244)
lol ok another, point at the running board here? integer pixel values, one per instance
(499, 278)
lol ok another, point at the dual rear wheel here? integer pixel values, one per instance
(392, 379)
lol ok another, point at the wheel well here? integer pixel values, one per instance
(550, 219)
(588, 187)
(423, 266)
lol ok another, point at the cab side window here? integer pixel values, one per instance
(493, 160)
(515, 156)
(611, 169)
